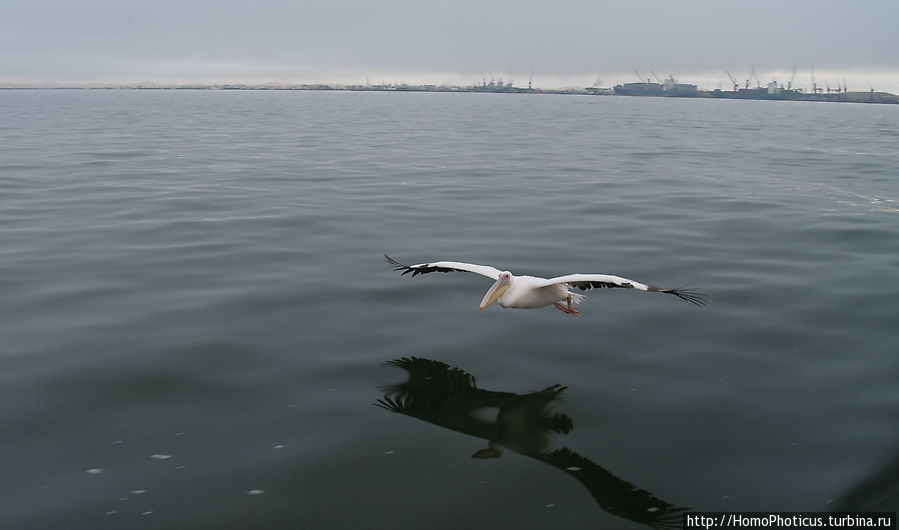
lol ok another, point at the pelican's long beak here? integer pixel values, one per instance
(495, 292)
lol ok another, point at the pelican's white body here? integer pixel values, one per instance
(526, 292)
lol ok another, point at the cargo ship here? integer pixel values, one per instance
(668, 88)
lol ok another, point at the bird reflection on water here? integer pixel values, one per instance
(524, 423)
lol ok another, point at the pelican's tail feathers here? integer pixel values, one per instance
(576, 298)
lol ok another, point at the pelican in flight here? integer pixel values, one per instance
(526, 292)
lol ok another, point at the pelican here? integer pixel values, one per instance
(526, 292)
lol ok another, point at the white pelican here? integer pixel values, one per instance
(525, 292)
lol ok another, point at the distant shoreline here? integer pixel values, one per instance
(753, 94)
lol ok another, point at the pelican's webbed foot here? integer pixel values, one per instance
(569, 309)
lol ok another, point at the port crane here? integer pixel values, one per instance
(732, 79)
(815, 89)
(792, 77)
(751, 75)
(758, 82)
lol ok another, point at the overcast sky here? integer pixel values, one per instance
(578, 43)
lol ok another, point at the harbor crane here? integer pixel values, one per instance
(640, 77)
(815, 89)
(657, 77)
(758, 82)
(792, 77)
(732, 79)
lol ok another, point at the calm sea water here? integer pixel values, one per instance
(200, 331)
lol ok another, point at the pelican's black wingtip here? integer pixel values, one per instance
(397, 266)
(694, 297)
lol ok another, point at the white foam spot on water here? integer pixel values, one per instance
(255, 492)
(389, 452)
(278, 446)
(573, 468)
(138, 492)
(551, 505)
(652, 510)
(148, 512)
(118, 442)
(112, 512)
(93, 471)
(180, 467)
(160, 457)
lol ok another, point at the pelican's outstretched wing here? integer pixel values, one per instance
(444, 266)
(614, 494)
(586, 282)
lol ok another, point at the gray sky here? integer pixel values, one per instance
(578, 43)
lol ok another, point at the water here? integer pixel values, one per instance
(196, 313)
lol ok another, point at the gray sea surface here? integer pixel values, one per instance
(199, 328)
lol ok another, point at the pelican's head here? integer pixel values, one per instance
(503, 282)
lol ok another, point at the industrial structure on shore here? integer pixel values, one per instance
(671, 88)
(668, 87)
